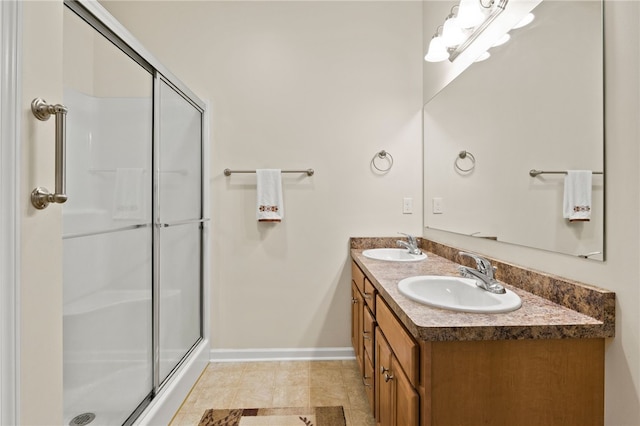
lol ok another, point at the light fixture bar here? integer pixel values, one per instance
(476, 33)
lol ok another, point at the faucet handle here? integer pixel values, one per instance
(483, 265)
(412, 239)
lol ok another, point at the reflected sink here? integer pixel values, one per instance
(393, 255)
(457, 294)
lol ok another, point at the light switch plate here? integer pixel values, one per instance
(407, 205)
(437, 206)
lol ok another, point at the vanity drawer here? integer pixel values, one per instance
(369, 295)
(368, 381)
(368, 330)
(403, 345)
(357, 276)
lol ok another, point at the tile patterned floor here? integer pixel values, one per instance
(278, 384)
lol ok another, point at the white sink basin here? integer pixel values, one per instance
(457, 294)
(393, 255)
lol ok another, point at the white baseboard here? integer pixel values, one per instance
(303, 354)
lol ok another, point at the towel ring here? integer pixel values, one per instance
(382, 155)
(461, 156)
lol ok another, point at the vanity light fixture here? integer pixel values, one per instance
(463, 26)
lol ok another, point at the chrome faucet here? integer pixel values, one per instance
(483, 274)
(411, 244)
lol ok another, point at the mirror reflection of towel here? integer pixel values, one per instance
(128, 194)
(577, 196)
(269, 195)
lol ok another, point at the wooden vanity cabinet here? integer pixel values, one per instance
(363, 328)
(386, 354)
(368, 338)
(530, 382)
(489, 382)
(357, 303)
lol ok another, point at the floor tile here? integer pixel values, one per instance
(278, 384)
(257, 378)
(328, 396)
(286, 377)
(253, 397)
(325, 378)
(291, 396)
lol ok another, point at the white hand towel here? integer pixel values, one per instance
(577, 196)
(269, 188)
(128, 196)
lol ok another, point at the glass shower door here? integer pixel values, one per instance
(179, 226)
(107, 232)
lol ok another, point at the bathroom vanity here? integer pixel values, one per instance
(542, 364)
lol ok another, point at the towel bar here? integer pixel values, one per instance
(534, 172)
(309, 172)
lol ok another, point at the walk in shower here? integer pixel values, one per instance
(132, 226)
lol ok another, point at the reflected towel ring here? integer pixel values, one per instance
(383, 155)
(461, 156)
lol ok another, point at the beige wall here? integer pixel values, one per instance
(620, 272)
(294, 85)
(41, 245)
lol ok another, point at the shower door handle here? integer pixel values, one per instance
(41, 197)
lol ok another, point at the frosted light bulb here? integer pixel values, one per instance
(484, 56)
(502, 40)
(452, 34)
(525, 21)
(469, 14)
(437, 50)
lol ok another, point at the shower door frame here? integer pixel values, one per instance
(10, 64)
(165, 396)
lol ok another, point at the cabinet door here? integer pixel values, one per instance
(405, 400)
(383, 386)
(403, 345)
(357, 306)
(396, 401)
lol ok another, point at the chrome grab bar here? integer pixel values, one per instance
(41, 197)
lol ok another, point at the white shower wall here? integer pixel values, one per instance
(96, 148)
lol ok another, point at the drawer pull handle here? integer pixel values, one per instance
(388, 377)
(366, 335)
(383, 369)
(364, 381)
(354, 301)
(368, 296)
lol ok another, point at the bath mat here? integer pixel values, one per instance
(313, 416)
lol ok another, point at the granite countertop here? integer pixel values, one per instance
(538, 318)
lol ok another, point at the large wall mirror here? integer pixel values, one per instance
(535, 103)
